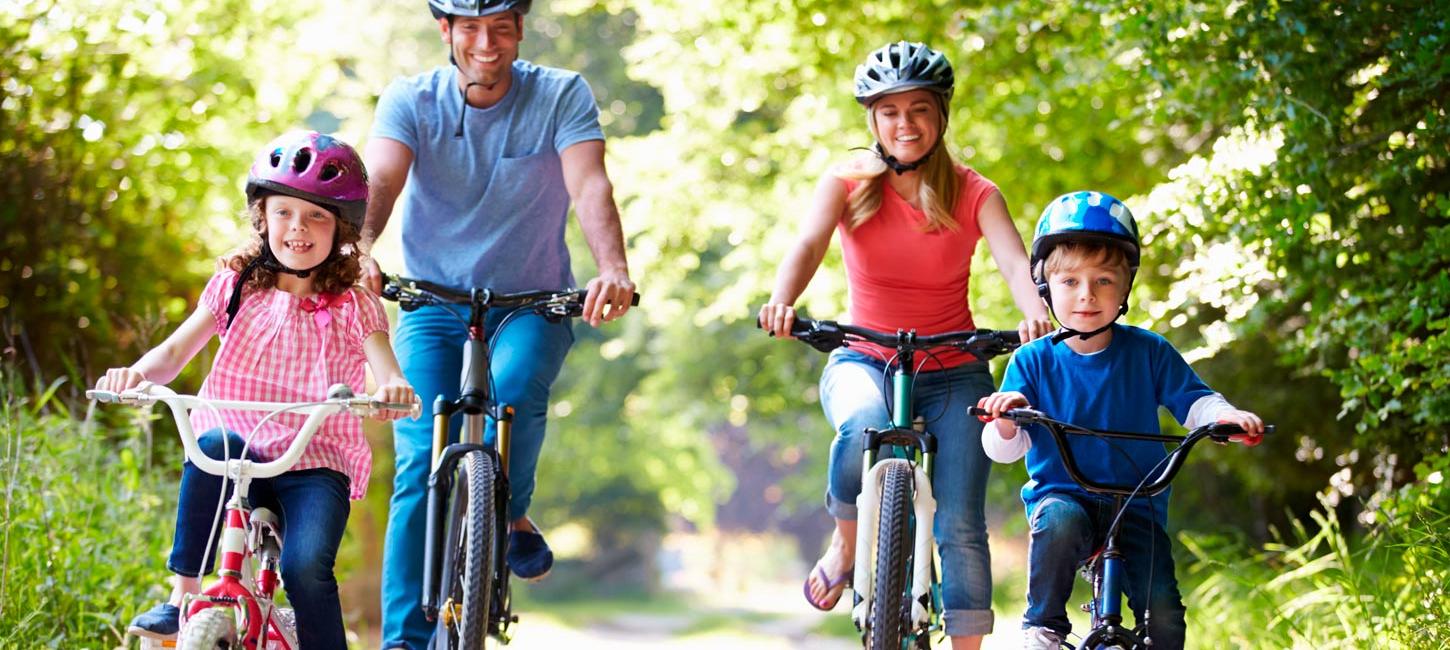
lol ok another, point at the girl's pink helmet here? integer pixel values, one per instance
(315, 167)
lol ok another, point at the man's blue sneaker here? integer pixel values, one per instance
(160, 622)
(529, 556)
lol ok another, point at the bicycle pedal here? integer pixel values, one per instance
(148, 643)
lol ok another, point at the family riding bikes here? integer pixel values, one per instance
(494, 151)
(901, 388)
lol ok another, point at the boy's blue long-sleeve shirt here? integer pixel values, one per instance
(1117, 389)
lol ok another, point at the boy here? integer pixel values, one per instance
(1099, 375)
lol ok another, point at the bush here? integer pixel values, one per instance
(86, 522)
(1322, 589)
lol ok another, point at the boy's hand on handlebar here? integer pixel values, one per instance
(394, 393)
(776, 319)
(120, 379)
(609, 296)
(1033, 328)
(998, 403)
(1251, 424)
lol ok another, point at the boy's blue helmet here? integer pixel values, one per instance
(1083, 216)
(1079, 216)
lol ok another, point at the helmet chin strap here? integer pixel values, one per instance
(268, 261)
(1064, 332)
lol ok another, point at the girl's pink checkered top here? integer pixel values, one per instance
(282, 348)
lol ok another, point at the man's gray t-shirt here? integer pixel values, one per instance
(488, 209)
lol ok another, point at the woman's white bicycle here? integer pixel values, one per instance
(238, 609)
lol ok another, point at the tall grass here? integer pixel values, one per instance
(85, 523)
(1319, 587)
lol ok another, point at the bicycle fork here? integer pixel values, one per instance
(868, 506)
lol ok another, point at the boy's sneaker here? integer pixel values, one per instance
(1041, 638)
(160, 622)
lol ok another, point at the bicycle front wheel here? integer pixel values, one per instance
(889, 603)
(209, 629)
(469, 559)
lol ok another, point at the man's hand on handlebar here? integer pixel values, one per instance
(776, 319)
(372, 275)
(609, 296)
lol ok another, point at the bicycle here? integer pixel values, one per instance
(1105, 569)
(896, 501)
(238, 609)
(465, 582)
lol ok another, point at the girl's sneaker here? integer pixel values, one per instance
(160, 622)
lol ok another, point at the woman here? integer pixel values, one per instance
(909, 219)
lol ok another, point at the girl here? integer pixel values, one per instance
(291, 324)
(909, 219)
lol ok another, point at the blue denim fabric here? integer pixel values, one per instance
(429, 343)
(853, 398)
(318, 501)
(1067, 529)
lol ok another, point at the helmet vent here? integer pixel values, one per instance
(302, 160)
(276, 158)
(329, 172)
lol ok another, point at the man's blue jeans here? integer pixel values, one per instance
(1067, 528)
(312, 507)
(853, 397)
(527, 357)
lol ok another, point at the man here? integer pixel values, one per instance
(492, 149)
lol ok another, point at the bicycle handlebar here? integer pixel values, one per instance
(339, 398)
(827, 335)
(1218, 432)
(411, 294)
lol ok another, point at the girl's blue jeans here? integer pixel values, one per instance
(1066, 529)
(312, 506)
(527, 357)
(854, 394)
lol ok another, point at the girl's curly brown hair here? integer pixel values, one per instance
(336, 275)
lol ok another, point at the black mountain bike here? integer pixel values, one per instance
(1105, 570)
(898, 605)
(465, 579)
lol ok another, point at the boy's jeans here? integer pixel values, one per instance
(852, 396)
(1066, 529)
(429, 343)
(312, 507)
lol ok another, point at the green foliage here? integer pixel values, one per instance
(80, 548)
(125, 131)
(1319, 589)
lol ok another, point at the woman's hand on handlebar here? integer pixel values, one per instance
(1033, 328)
(1252, 425)
(776, 319)
(397, 392)
(119, 379)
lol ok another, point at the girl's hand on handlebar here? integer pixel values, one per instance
(119, 379)
(1251, 424)
(394, 393)
(776, 319)
(1034, 328)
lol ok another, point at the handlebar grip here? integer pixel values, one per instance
(104, 396)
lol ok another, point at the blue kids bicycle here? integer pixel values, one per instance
(1105, 570)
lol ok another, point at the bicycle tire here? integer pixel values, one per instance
(468, 563)
(209, 629)
(888, 620)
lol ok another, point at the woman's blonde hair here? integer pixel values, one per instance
(937, 195)
(336, 275)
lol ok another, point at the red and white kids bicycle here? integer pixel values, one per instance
(237, 610)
